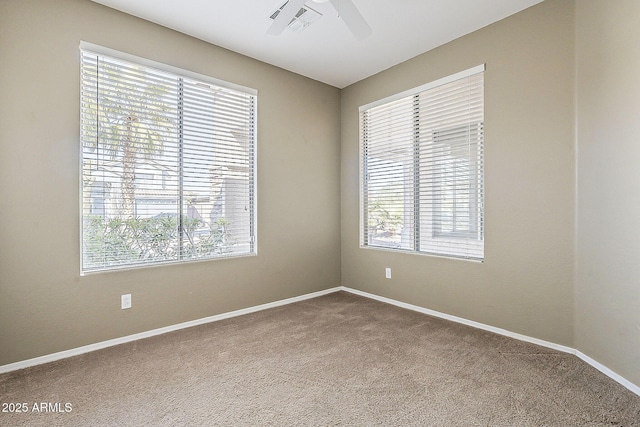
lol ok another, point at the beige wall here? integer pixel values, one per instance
(540, 277)
(607, 290)
(45, 306)
(525, 284)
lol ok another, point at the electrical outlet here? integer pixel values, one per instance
(387, 273)
(125, 301)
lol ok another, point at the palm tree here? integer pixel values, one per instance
(135, 118)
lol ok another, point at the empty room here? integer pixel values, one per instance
(338, 212)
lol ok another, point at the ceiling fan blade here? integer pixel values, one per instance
(285, 16)
(352, 18)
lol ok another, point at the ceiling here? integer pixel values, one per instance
(326, 50)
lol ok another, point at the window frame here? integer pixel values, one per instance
(473, 239)
(180, 74)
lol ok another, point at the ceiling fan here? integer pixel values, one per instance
(345, 9)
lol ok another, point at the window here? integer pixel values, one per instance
(168, 164)
(422, 169)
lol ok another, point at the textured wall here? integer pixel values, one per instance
(525, 284)
(45, 306)
(608, 241)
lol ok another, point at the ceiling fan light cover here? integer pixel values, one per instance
(347, 11)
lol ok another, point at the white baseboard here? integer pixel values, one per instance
(109, 343)
(608, 372)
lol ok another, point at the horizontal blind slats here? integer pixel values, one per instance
(422, 162)
(160, 150)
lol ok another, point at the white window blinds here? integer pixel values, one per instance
(168, 166)
(422, 169)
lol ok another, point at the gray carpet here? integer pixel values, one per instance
(335, 360)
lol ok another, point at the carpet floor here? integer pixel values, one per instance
(336, 360)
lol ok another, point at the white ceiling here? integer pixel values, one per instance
(326, 51)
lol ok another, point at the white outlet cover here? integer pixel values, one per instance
(387, 273)
(125, 301)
